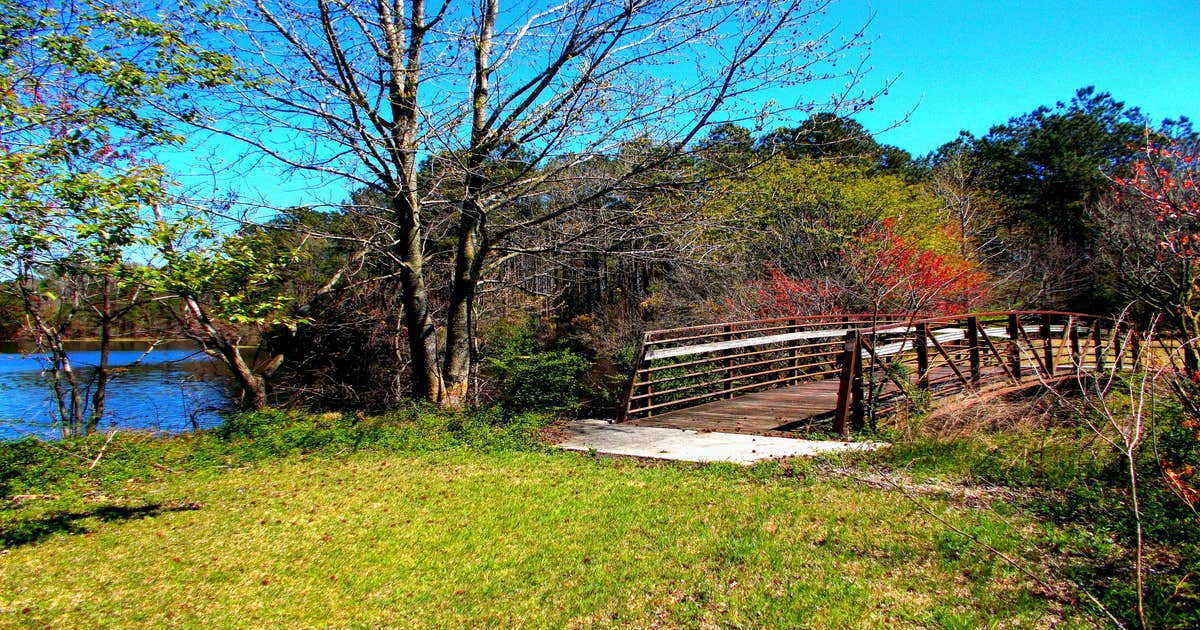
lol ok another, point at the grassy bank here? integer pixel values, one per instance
(425, 520)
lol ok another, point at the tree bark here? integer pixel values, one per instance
(254, 387)
(472, 238)
(100, 381)
(469, 257)
(216, 344)
(404, 68)
(422, 335)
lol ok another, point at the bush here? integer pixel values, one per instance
(546, 381)
(528, 375)
(29, 466)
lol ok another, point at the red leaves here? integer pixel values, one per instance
(782, 296)
(1164, 182)
(887, 272)
(1180, 479)
(898, 274)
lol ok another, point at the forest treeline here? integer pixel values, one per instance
(816, 217)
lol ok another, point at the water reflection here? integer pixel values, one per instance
(173, 388)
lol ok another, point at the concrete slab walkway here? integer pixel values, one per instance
(609, 438)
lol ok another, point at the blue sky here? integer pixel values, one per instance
(971, 64)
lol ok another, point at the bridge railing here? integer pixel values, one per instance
(684, 367)
(878, 362)
(885, 368)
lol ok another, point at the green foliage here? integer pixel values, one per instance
(76, 99)
(30, 466)
(254, 436)
(827, 136)
(531, 377)
(1066, 475)
(1050, 163)
(238, 280)
(802, 213)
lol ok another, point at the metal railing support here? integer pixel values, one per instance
(973, 347)
(849, 399)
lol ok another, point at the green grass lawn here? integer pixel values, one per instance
(512, 537)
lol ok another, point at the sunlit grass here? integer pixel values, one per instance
(517, 538)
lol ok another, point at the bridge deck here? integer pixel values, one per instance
(796, 408)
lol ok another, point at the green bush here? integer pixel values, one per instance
(29, 466)
(414, 428)
(528, 376)
(546, 381)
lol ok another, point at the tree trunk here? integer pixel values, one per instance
(70, 405)
(1189, 327)
(422, 335)
(472, 238)
(216, 344)
(404, 69)
(100, 380)
(467, 266)
(254, 387)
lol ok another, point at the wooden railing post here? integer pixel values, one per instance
(1119, 345)
(1076, 353)
(1098, 343)
(729, 363)
(649, 399)
(849, 396)
(1014, 336)
(639, 366)
(795, 354)
(1047, 345)
(973, 346)
(858, 407)
(921, 344)
(1135, 346)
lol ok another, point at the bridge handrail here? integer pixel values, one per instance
(747, 342)
(661, 335)
(690, 365)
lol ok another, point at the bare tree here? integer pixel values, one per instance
(587, 105)
(956, 179)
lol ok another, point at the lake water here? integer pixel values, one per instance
(173, 389)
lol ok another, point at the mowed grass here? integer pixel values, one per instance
(523, 537)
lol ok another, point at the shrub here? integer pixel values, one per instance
(544, 381)
(527, 374)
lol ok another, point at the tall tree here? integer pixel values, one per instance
(1152, 223)
(828, 135)
(1051, 163)
(956, 178)
(364, 91)
(843, 236)
(1046, 169)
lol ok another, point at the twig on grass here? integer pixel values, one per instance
(996, 552)
(111, 433)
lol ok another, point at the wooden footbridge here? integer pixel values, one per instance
(834, 372)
